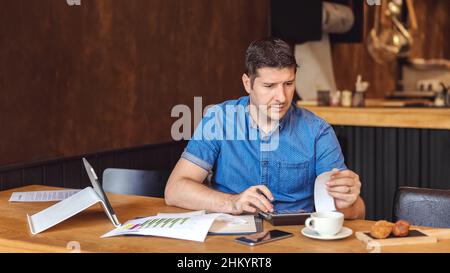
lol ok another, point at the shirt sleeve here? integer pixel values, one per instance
(204, 146)
(328, 151)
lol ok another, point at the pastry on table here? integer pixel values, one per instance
(401, 228)
(381, 229)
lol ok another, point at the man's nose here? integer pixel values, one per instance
(280, 95)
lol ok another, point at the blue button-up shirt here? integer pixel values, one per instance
(228, 144)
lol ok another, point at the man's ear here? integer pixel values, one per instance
(247, 83)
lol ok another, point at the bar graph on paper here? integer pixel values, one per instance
(156, 223)
(189, 226)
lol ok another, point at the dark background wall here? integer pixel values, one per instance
(106, 74)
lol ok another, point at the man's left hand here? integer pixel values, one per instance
(345, 188)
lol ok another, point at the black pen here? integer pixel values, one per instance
(260, 192)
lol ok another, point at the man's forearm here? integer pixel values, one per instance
(356, 211)
(193, 195)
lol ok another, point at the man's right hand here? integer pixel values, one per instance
(252, 200)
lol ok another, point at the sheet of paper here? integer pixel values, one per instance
(235, 219)
(41, 196)
(179, 226)
(235, 224)
(183, 214)
(322, 199)
(225, 223)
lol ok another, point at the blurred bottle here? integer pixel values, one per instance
(323, 97)
(336, 98)
(360, 91)
(346, 100)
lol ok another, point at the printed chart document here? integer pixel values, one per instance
(41, 196)
(193, 226)
(225, 223)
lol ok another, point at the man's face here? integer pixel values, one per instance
(272, 91)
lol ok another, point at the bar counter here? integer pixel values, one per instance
(390, 117)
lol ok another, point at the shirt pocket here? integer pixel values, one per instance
(292, 177)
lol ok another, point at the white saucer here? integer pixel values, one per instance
(344, 233)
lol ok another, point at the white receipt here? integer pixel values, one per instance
(323, 201)
(41, 196)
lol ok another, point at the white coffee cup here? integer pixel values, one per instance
(325, 223)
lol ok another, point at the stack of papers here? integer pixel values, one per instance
(192, 226)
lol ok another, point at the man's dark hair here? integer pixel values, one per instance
(268, 52)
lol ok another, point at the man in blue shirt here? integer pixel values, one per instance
(262, 152)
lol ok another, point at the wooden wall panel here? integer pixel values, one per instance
(106, 74)
(69, 172)
(53, 175)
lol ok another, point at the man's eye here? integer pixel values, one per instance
(289, 83)
(268, 85)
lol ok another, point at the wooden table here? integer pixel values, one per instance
(86, 228)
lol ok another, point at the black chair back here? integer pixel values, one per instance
(135, 182)
(423, 207)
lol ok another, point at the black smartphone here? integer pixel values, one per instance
(263, 237)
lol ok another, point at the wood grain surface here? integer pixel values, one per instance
(431, 118)
(87, 227)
